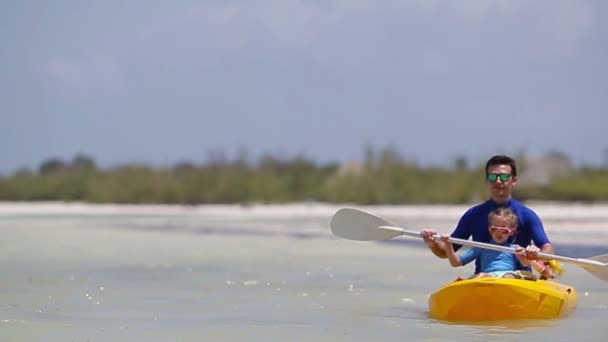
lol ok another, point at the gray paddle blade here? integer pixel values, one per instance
(600, 272)
(354, 224)
(601, 258)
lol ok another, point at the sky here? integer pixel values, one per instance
(161, 82)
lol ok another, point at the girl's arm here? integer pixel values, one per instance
(521, 256)
(449, 251)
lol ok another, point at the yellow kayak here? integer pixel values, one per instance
(490, 299)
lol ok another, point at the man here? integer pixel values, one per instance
(501, 177)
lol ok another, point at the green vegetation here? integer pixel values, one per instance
(382, 178)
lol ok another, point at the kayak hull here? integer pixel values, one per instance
(491, 299)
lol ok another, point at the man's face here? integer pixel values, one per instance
(499, 187)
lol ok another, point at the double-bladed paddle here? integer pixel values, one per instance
(354, 224)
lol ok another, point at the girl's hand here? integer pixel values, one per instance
(532, 252)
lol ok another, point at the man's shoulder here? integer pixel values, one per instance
(526, 214)
(516, 203)
(519, 206)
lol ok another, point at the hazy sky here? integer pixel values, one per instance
(166, 81)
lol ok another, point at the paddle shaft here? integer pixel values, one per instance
(470, 243)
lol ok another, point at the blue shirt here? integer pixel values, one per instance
(474, 223)
(492, 261)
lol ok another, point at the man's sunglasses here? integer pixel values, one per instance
(493, 177)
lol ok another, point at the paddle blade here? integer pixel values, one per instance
(354, 224)
(601, 258)
(600, 272)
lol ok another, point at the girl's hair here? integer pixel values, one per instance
(504, 212)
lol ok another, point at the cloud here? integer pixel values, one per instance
(555, 26)
(426, 37)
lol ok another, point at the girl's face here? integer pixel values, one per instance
(501, 228)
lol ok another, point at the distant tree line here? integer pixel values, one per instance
(383, 177)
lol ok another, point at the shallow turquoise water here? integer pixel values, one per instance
(114, 279)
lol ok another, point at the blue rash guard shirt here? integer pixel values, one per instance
(492, 261)
(474, 223)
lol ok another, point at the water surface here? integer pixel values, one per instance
(155, 278)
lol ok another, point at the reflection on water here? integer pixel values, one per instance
(507, 327)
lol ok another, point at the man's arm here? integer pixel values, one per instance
(462, 231)
(437, 248)
(547, 248)
(464, 228)
(539, 236)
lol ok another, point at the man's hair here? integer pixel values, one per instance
(501, 159)
(504, 212)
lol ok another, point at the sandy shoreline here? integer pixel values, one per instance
(565, 223)
(547, 210)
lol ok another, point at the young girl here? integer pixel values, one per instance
(503, 226)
